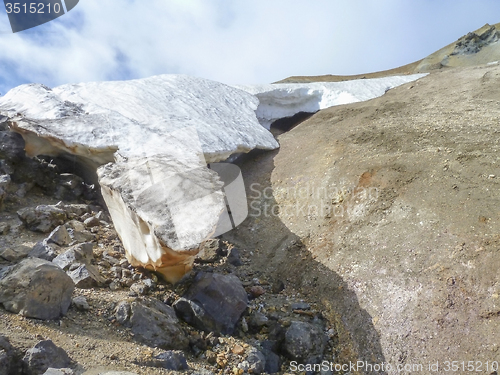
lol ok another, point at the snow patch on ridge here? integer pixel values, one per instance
(286, 99)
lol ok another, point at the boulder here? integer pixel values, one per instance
(153, 323)
(42, 218)
(214, 302)
(36, 288)
(44, 355)
(305, 342)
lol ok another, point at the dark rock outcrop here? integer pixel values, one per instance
(214, 302)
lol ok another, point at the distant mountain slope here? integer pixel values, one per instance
(476, 48)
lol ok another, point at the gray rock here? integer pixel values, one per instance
(42, 218)
(70, 187)
(257, 361)
(11, 146)
(24, 188)
(4, 228)
(153, 323)
(257, 320)
(118, 373)
(81, 253)
(233, 257)
(59, 236)
(4, 184)
(15, 254)
(85, 276)
(305, 342)
(172, 360)
(81, 303)
(214, 302)
(273, 362)
(139, 289)
(103, 216)
(36, 288)
(122, 312)
(7, 357)
(92, 222)
(58, 371)
(44, 250)
(78, 233)
(43, 355)
(300, 306)
(75, 210)
(202, 371)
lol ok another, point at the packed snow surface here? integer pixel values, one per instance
(137, 116)
(286, 99)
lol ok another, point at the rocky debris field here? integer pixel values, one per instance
(72, 304)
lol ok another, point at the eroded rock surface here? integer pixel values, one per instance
(36, 288)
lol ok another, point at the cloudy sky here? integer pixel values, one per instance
(233, 41)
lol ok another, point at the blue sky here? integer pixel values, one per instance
(233, 41)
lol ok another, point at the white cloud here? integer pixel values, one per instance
(235, 41)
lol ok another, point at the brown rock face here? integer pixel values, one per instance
(398, 197)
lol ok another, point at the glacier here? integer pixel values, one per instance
(277, 101)
(148, 142)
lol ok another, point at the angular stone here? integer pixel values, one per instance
(86, 276)
(36, 288)
(43, 355)
(78, 233)
(257, 361)
(70, 187)
(81, 253)
(15, 254)
(92, 222)
(153, 323)
(172, 360)
(81, 303)
(58, 371)
(305, 342)
(233, 257)
(59, 236)
(44, 250)
(214, 302)
(42, 218)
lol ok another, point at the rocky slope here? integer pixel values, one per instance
(395, 200)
